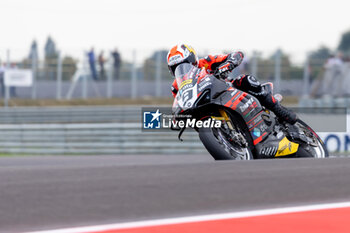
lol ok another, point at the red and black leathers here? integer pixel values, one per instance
(223, 64)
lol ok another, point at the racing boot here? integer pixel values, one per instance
(281, 112)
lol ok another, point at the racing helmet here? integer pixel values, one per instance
(181, 54)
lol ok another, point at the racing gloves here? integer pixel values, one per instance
(232, 61)
(235, 58)
(224, 69)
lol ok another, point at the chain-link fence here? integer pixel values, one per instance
(138, 73)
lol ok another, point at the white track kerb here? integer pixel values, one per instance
(201, 218)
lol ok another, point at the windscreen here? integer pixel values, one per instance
(183, 72)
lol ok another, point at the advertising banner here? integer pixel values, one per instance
(18, 78)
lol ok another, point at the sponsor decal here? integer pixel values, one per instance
(234, 92)
(246, 105)
(204, 85)
(187, 86)
(250, 109)
(186, 82)
(263, 127)
(286, 147)
(254, 122)
(175, 59)
(257, 132)
(247, 112)
(257, 120)
(336, 142)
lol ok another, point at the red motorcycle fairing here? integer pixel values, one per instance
(249, 108)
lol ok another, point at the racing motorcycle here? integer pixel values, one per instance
(247, 130)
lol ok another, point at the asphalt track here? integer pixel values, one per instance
(49, 192)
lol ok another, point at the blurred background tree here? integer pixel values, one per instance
(344, 45)
(266, 68)
(69, 67)
(33, 54)
(50, 62)
(149, 66)
(317, 59)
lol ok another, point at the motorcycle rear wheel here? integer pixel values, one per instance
(319, 151)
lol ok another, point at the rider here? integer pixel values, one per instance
(222, 65)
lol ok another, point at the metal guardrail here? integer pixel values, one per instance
(88, 130)
(106, 138)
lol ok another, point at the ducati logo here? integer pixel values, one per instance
(246, 105)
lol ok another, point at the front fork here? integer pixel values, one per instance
(224, 117)
(235, 136)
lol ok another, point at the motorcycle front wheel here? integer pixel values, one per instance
(221, 144)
